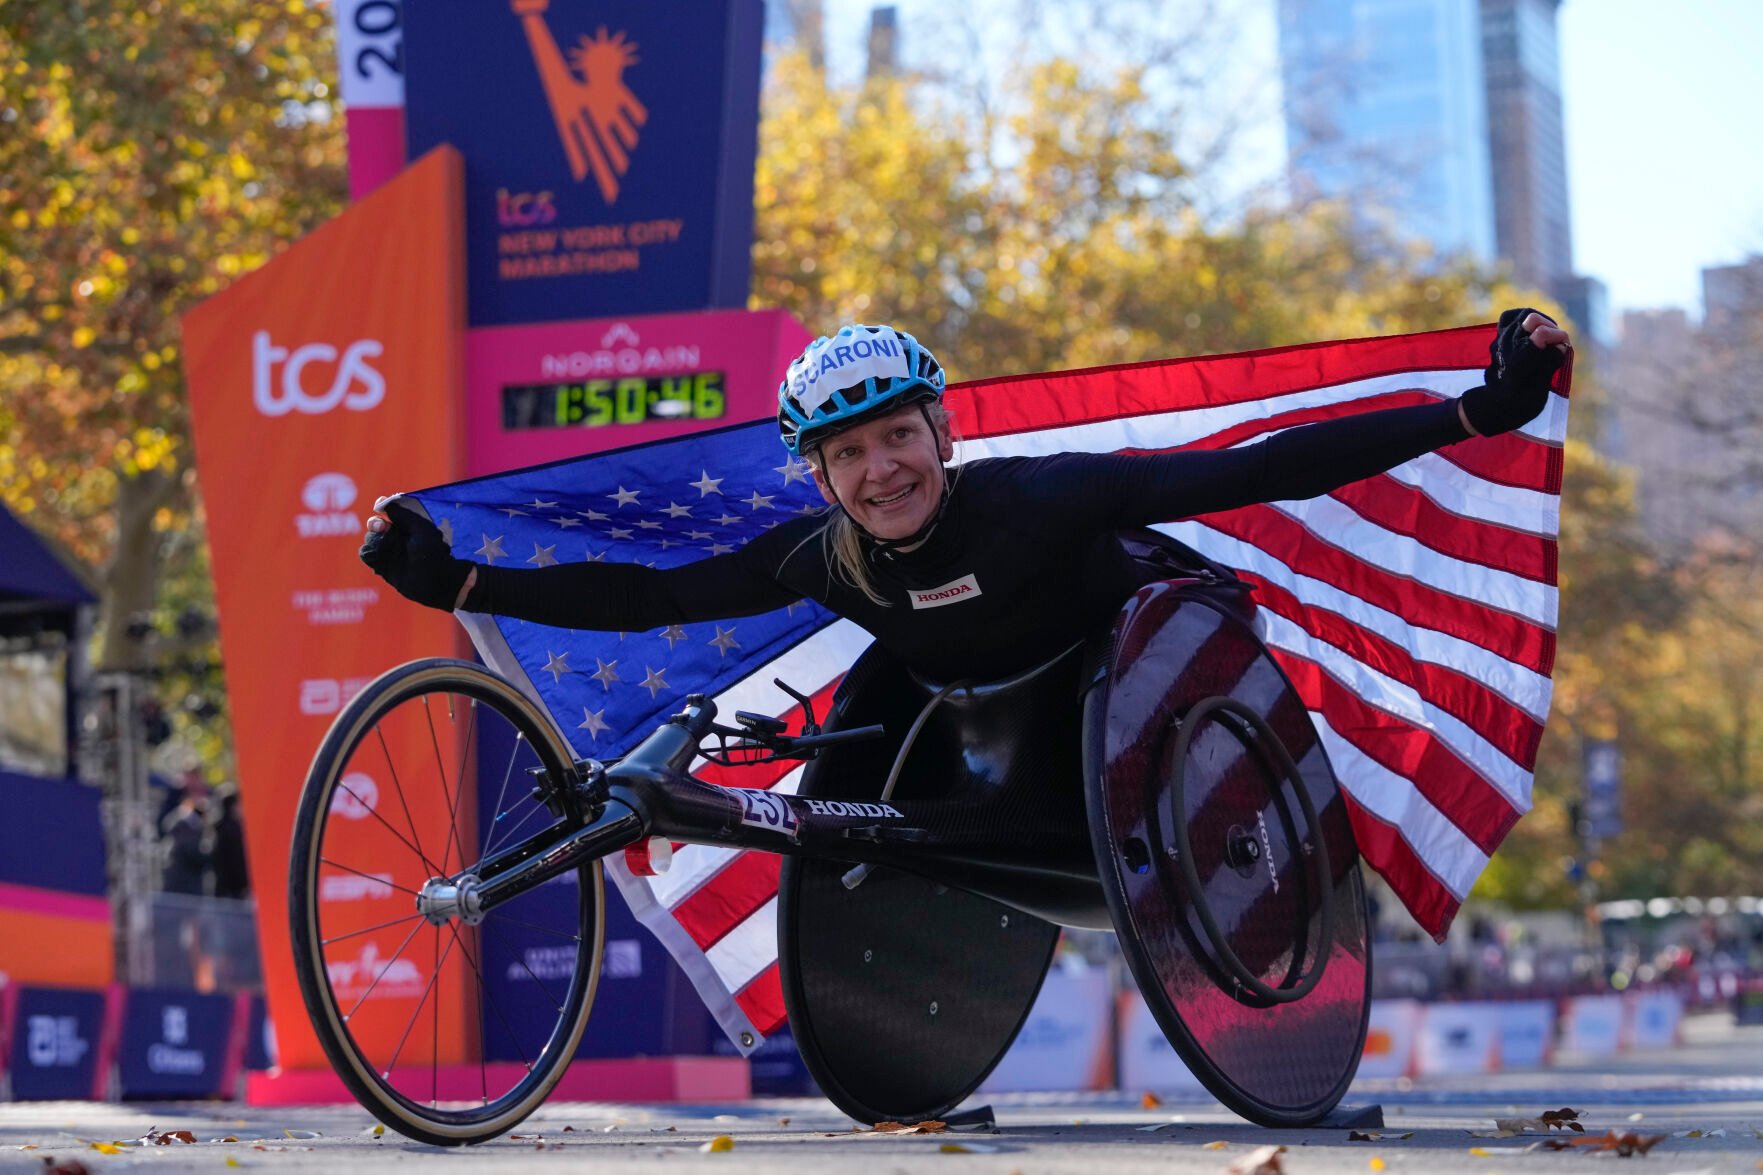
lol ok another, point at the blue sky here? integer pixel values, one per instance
(1664, 110)
(1663, 104)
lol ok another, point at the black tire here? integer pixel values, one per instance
(409, 727)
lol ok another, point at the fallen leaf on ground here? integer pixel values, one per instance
(1159, 1126)
(928, 1126)
(1622, 1145)
(107, 1148)
(1374, 1136)
(299, 1134)
(1260, 1161)
(717, 1145)
(1150, 1101)
(1215, 1146)
(783, 1121)
(1377, 1164)
(968, 1148)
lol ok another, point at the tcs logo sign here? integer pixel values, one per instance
(280, 385)
(523, 209)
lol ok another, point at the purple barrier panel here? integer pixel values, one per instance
(175, 1044)
(56, 1047)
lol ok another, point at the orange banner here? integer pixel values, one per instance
(327, 377)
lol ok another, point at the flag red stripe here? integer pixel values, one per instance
(1481, 708)
(1407, 511)
(1512, 637)
(729, 898)
(1428, 899)
(1046, 400)
(1470, 802)
(1510, 459)
(763, 1001)
(1236, 434)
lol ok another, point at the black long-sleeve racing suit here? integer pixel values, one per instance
(1022, 564)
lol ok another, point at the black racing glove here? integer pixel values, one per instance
(412, 556)
(1517, 381)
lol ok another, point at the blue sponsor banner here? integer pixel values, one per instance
(608, 146)
(174, 1044)
(55, 1041)
(259, 1036)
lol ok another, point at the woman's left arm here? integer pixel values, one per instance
(1312, 459)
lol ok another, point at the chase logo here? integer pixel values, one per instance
(843, 361)
(596, 114)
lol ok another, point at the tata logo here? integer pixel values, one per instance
(356, 797)
(280, 383)
(327, 498)
(524, 209)
(596, 114)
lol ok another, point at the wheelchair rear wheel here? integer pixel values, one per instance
(448, 1024)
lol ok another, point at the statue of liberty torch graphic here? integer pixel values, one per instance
(596, 114)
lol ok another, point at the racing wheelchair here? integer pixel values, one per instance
(1162, 780)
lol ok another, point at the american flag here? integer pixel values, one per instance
(1414, 611)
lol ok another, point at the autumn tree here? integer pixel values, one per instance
(149, 154)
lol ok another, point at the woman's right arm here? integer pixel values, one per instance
(409, 552)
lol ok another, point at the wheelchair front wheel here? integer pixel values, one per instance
(448, 1025)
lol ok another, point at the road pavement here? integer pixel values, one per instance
(1705, 1098)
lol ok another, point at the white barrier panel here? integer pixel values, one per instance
(1527, 1033)
(1066, 1042)
(1148, 1063)
(1651, 1019)
(1593, 1025)
(1389, 1038)
(1458, 1038)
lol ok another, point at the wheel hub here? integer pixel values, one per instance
(443, 899)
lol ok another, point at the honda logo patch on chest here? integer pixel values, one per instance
(956, 589)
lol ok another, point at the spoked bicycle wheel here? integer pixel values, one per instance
(449, 1025)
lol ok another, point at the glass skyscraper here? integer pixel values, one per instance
(1386, 106)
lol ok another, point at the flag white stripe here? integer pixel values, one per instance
(1339, 526)
(748, 949)
(1404, 702)
(1181, 426)
(1451, 856)
(1524, 688)
(1458, 491)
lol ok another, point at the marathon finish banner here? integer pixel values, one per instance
(57, 1043)
(176, 1044)
(609, 149)
(326, 378)
(370, 68)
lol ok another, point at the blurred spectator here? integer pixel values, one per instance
(227, 840)
(186, 829)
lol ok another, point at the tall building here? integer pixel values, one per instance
(1385, 106)
(1521, 58)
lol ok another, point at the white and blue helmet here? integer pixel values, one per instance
(844, 379)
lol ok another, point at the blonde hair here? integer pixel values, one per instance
(841, 542)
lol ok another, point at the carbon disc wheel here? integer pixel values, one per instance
(449, 1024)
